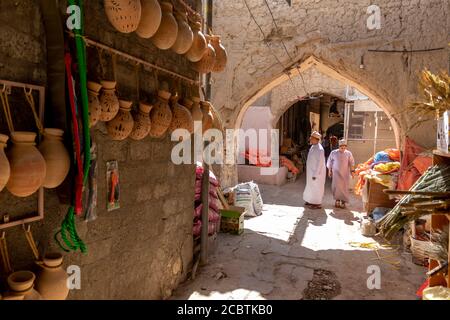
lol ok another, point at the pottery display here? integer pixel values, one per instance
(57, 158)
(21, 284)
(142, 123)
(221, 54)
(121, 126)
(124, 15)
(5, 170)
(28, 167)
(94, 103)
(185, 35)
(182, 118)
(161, 115)
(199, 44)
(206, 64)
(208, 118)
(167, 33)
(51, 281)
(109, 102)
(150, 18)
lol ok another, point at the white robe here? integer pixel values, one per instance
(341, 164)
(315, 167)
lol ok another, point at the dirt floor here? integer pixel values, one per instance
(291, 252)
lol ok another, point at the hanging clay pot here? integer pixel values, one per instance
(150, 18)
(221, 54)
(28, 168)
(5, 170)
(121, 126)
(199, 44)
(206, 64)
(94, 103)
(51, 281)
(21, 284)
(142, 123)
(109, 102)
(56, 157)
(167, 32)
(182, 118)
(196, 111)
(161, 115)
(185, 36)
(124, 15)
(208, 118)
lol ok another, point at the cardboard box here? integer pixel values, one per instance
(232, 220)
(443, 140)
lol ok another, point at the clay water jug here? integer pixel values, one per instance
(121, 126)
(150, 18)
(28, 168)
(181, 118)
(94, 103)
(57, 158)
(199, 44)
(208, 119)
(185, 35)
(124, 15)
(142, 123)
(5, 170)
(196, 111)
(109, 102)
(167, 32)
(206, 64)
(21, 284)
(161, 115)
(221, 54)
(51, 281)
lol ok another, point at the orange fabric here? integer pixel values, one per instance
(285, 162)
(394, 154)
(408, 173)
(255, 158)
(422, 163)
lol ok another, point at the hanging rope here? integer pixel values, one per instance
(114, 67)
(6, 108)
(138, 88)
(101, 61)
(5, 255)
(30, 99)
(68, 226)
(30, 240)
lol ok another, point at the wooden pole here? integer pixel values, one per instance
(205, 212)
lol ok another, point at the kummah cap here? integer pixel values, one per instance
(342, 142)
(316, 135)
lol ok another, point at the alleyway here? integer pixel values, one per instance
(278, 254)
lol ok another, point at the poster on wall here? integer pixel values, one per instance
(112, 178)
(314, 119)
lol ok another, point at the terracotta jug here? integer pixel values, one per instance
(150, 19)
(51, 281)
(5, 170)
(207, 116)
(121, 126)
(206, 64)
(56, 157)
(221, 54)
(28, 168)
(21, 284)
(167, 32)
(124, 15)
(142, 123)
(199, 44)
(185, 36)
(161, 115)
(182, 118)
(196, 111)
(94, 103)
(109, 101)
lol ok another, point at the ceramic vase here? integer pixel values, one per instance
(5, 170)
(206, 64)
(94, 103)
(199, 44)
(121, 126)
(221, 54)
(182, 118)
(185, 36)
(208, 119)
(21, 284)
(150, 19)
(161, 115)
(28, 168)
(109, 102)
(142, 123)
(57, 158)
(167, 33)
(51, 281)
(124, 15)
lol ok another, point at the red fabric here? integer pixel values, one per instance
(255, 158)
(425, 285)
(285, 162)
(408, 174)
(422, 163)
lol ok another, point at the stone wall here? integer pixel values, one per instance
(144, 249)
